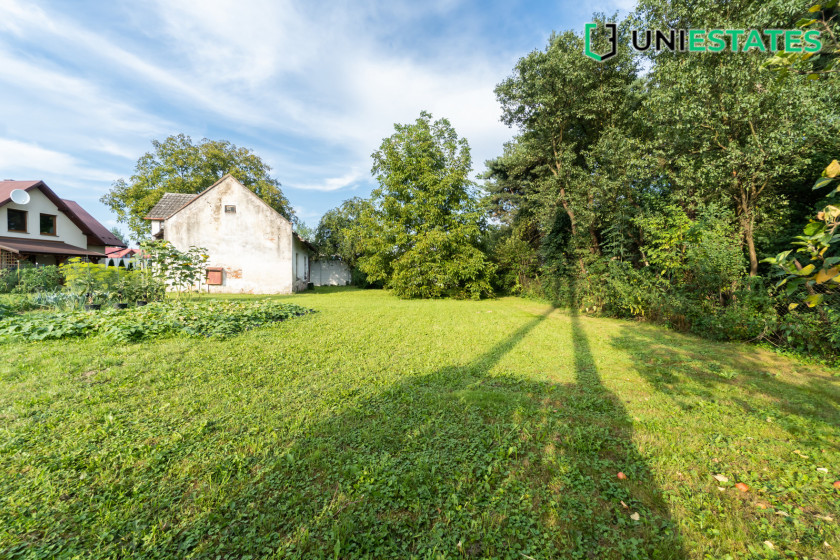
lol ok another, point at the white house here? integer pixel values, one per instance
(43, 229)
(251, 247)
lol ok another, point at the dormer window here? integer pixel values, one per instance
(16, 220)
(230, 209)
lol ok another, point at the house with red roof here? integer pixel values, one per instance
(120, 256)
(41, 228)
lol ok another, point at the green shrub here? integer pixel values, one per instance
(800, 331)
(29, 279)
(441, 265)
(59, 301)
(748, 315)
(714, 258)
(208, 318)
(97, 283)
(616, 288)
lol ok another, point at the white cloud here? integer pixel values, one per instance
(22, 157)
(326, 74)
(311, 88)
(350, 180)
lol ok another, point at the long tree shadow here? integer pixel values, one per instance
(681, 368)
(462, 462)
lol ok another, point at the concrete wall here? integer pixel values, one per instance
(253, 245)
(330, 273)
(65, 230)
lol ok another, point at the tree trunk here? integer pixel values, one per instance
(571, 214)
(747, 225)
(568, 210)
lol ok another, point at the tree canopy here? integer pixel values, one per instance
(657, 193)
(336, 234)
(420, 234)
(180, 166)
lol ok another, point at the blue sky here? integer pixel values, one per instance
(311, 87)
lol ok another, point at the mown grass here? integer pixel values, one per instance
(378, 428)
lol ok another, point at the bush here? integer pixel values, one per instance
(441, 265)
(748, 315)
(800, 331)
(29, 279)
(616, 288)
(97, 283)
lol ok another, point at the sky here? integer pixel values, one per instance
(310, 87)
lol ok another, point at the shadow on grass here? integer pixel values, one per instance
(682, 368)
(456, 463)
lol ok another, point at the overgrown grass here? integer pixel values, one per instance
(379, 427)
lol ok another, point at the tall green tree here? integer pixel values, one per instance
(180, 166)
(422, 231)
(562, 104)
(726, 130)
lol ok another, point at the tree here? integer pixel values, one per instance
(119, 234)
(562, 103)
(337, 234)
(178, 165)
(726, 130)
(421, 231)
(822, 17)
(304, 230)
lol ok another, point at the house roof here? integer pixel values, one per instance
(15, 245)
(96, 233)
(99, 231)
(169, 204)
(306, 243)
(120, 252)
(6, 188)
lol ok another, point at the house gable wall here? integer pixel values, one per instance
(252, 245)
(66, 230)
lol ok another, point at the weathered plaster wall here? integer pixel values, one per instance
(253, 245)
(330, 273)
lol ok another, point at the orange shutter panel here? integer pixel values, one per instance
(214, 276)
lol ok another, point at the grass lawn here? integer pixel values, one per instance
(380, 428)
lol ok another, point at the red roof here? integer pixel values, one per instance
(100, 231)
(6, 188)
(97, 234)
(120, 252)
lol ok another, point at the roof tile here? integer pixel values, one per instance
(168, 205)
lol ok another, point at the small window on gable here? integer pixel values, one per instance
(47, 224)
(230, 209)
(16, 220)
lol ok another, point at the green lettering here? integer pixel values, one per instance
(734, 33)
(716, 38)
(793, 40)
(754, 41)
(696, 40)
(774, 38)
(813, 44)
